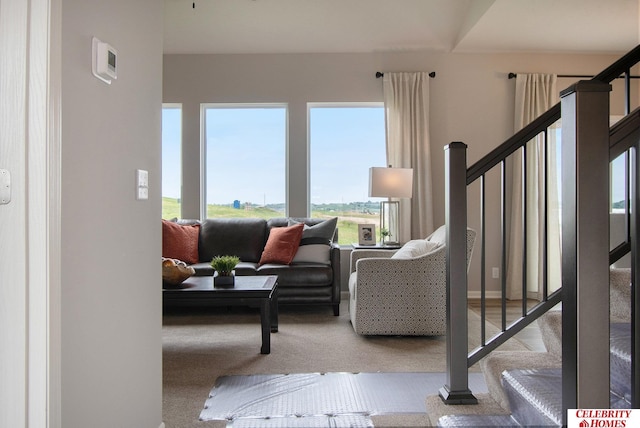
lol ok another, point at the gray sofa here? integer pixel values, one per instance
(302, 283)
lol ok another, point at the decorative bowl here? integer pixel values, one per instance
(174, 272)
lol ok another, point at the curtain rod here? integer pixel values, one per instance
(577, 76)
(379, 74)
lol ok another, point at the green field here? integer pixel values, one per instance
(347, 223)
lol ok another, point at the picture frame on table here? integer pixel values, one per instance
(367, 234)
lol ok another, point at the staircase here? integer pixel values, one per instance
(532, 396)
(536, 389)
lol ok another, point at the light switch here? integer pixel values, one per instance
(142, 184)
(5, 186)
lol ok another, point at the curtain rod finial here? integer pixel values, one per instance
(432, 74)
(379, 74)
(512, 75)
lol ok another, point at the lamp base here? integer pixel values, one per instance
(389, 215)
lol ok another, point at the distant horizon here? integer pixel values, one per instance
(350, 132)
(371, 202)
(353, 133)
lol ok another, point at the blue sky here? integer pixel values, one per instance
(246, 156)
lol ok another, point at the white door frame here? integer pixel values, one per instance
(30, 393)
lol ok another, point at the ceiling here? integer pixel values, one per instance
(333, 26)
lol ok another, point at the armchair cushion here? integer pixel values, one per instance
(415, 248)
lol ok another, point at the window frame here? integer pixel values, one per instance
(335, 105)
(179, 107)
(203, 145)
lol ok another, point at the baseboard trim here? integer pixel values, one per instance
(495, 294)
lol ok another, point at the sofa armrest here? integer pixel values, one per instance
(334, 256)
(366, 254)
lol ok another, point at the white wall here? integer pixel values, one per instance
(111, 286)
(471, 100)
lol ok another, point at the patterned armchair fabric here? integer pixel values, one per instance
(401, 296)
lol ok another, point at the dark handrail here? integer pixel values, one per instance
(623, 135)
(520, 138)
(623, 65)
(514, 328)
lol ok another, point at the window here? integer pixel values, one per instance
(345, 140)
(244, 160)
(618, 178)
(171, 160)
(619, 173)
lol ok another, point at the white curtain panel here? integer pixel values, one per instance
(406, 101)
(535, 94)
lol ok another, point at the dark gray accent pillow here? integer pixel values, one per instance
(315, 244)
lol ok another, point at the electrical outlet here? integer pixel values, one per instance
(495, 273)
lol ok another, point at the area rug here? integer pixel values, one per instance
(322, 399)
(199, 348)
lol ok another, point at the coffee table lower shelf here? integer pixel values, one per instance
(261, 291)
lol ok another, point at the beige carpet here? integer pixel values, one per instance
(197, 348)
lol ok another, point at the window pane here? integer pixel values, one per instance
(344, 143)
(171, 161)
(618, 191)
(245, 161)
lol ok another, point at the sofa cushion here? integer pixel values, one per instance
(315, 244)
(180, 242)
(282, 244)
(300, 275)
(242, 237)
(415, 248)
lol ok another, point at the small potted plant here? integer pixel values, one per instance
(384, 235)
(223, 266)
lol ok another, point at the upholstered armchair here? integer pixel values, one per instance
(402, 292)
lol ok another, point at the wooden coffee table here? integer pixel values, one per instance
(247, 291)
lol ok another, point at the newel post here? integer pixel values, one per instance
(585, 246)
(456, 389)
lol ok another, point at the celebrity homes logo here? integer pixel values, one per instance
(602, 418)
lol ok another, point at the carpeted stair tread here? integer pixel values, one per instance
(477, 421)
(550, 325)
(535, 396)
(620, 361)
(436, 408)
(494, 364)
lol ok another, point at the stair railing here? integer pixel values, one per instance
(578, 134)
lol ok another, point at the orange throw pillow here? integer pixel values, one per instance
(180, 242)
(282, 244)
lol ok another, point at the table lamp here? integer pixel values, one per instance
(390, 183)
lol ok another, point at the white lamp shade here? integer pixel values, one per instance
(390, 182)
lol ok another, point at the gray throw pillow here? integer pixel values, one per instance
(315, 244)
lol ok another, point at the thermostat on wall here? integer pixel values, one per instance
(104, 61)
